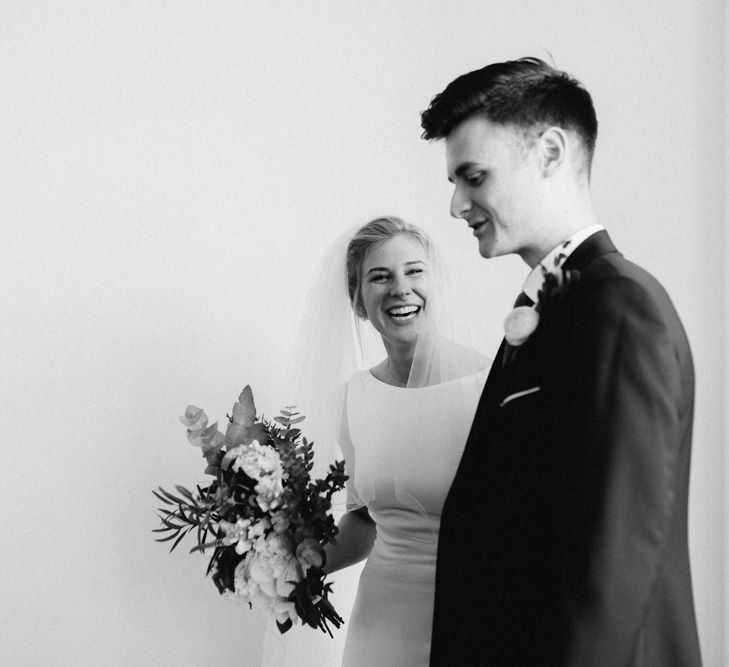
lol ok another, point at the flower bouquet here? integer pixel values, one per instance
(264, 518)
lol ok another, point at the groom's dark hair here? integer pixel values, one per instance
(525, 93)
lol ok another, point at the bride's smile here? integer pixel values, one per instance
(402, 314)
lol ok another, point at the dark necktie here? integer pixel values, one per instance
(510, 350)
(523, 300)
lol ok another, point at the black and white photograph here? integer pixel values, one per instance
(372, 334)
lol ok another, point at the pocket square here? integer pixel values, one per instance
(518, 394)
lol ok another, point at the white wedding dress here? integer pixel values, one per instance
(405, 445)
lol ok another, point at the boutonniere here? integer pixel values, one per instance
(520, 323)
(523, 321)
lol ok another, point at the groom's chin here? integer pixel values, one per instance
(487, 250)
(490, 249)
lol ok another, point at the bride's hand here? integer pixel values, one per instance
(353, 541)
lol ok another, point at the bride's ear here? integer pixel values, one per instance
(552, 146)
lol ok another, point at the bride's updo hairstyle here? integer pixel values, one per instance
(375, 232)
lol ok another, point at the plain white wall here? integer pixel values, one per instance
(169, 174)
(725, 302)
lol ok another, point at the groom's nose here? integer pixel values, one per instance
(460, 204)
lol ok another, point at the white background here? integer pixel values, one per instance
(169, 174)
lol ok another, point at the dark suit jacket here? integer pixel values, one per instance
(563, 539)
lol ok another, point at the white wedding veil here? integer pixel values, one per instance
(333, 346)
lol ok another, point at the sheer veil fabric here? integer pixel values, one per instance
(332, 346)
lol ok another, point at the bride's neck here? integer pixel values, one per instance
(395, 369)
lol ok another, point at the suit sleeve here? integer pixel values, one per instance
(623, 467)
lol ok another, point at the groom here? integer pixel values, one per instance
(563, 539)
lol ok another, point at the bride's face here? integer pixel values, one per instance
(395, 287)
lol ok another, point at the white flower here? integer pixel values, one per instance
(287, 576)
(520, 324)
(268, 493)
(255, 585)
(261, 572)
(258, 528)
(272, 566)
(249, 591)
(309, 553)
(279, 521)
(237, 533)
(284, 610)
(278, 545)
(263, 464)
(231, 455)
(241, 577)
(258, 461)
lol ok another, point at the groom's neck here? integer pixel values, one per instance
(560, 221)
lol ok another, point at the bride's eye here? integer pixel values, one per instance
(414, 271)
(378, 277)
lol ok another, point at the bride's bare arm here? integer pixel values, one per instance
(354, 540)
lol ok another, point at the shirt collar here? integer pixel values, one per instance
(555, 258)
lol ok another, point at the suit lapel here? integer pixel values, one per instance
(495, 374)
(590, 249)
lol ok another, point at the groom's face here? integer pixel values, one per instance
(496, 184)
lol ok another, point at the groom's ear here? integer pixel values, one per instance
(552, 146)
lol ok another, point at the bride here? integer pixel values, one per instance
(402, 426)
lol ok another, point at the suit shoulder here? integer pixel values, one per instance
(614, 267)
(616, 293)
(612, 278)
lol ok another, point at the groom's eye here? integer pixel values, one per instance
(475, 179)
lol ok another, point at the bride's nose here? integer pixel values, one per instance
(400, 286)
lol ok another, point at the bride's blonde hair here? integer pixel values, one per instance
(376, 231)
